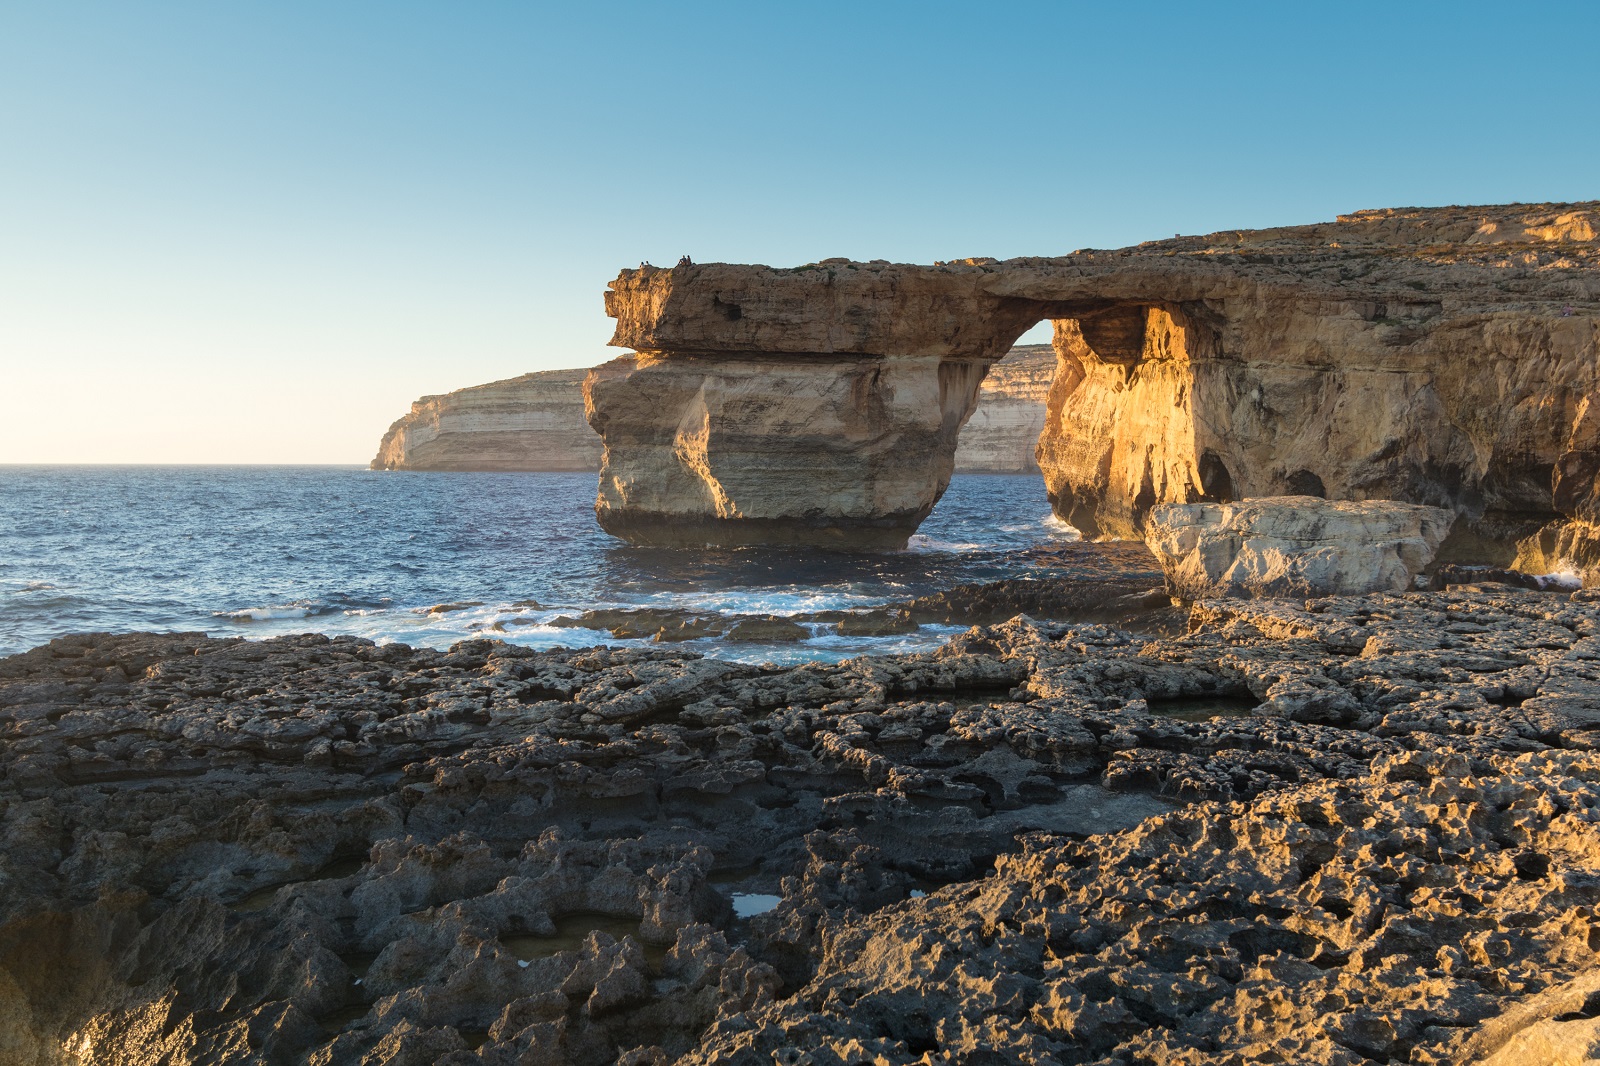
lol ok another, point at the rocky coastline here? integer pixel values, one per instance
(1346, 830)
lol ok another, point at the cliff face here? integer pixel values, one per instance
(1436, 356)
(1003, 432)
(532, 422)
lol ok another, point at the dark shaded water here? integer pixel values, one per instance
(259, 551)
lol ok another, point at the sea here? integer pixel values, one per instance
(258, 552)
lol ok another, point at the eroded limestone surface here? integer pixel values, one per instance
(1440, 356)
(1350, 830)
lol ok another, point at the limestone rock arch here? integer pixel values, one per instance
(1436, 356)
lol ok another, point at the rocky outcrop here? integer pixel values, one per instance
(1293, 546)
(1003, 432)
(531, 422)
(1349, 830)
(1436, 356)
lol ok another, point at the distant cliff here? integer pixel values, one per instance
(536, 422)
(1004, 430)
(532, 422)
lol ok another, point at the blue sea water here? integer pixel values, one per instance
(262, 551)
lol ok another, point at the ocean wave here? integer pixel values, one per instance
(266, 614)
(33, 586)
(1561, 580)
(921, 542)
(336, 604)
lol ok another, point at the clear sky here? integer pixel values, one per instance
(256, 231)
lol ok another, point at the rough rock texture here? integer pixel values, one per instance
(1440, 356)
(1003, 432)
(532, 422)
(1293, 546)
(321, 851)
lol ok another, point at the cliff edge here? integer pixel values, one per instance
(531, 422)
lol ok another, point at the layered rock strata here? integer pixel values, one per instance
(536, 422)
(1296, 546)
(314, 850)
(531, 422)
(1439, 356)
(1003, 432)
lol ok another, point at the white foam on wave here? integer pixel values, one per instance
(1062, 528)
(264, 614)
(922, 543)
(1560, 580)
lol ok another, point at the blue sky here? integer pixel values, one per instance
(254, 232)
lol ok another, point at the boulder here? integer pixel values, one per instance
(1298, 546)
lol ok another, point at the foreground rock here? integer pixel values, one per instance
(1293, 546)
(531, 422)
(314, 850)
(1440, 356)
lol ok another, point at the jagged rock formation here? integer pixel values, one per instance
(1437, 356)
(1298, 546)
(1003, 432)
(531, 422)
(1351, 830)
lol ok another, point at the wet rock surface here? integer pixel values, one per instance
(1345, 830)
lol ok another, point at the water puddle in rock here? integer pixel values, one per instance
(750, 904)
(1204, 708)
(935, 804)
(1081, 811)
(358, 963)
(339, 1019)
(572, 932)
(964, 699)
(734, 875)
(261, 898)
